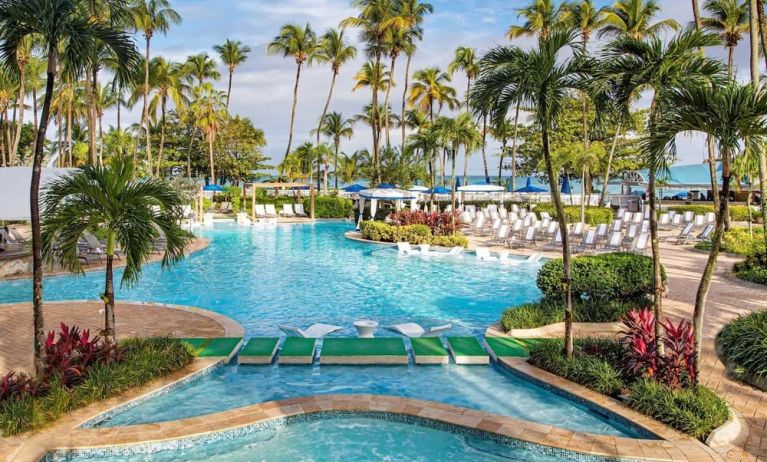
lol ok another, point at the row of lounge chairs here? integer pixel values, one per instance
(424, 250)
(12, 242)
(408, 329)
(288, 211)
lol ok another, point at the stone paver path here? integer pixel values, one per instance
(132, 320)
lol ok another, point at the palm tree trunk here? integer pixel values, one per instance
(754, 15)
(327, 105)
(229, 88)
(465, 166)
(452, 187)
(606, 179)
(69, 131)
(335, 164)
(484, 150)
(20, 121)
(566, 277)
(3, 161)
(101, 139)
(386, 100)
(500, 161)
(34, 114)
(374, 120)
(119, 105)
(762, 28)
(109, 293)
(583, 196)
(189, 153)
(696, 15)
(404, 99)
(162, 135)
(514, 145)
(210, 152)
(708, 271)
(295, 104)
(60, 129)
(145, 111)
(34, 208)
(90, 118)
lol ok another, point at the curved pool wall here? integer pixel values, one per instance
(488, 388)
(334, 435)
(303, 273)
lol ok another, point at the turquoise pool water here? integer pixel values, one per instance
(343, 439)
(487, 388)
(300, 274)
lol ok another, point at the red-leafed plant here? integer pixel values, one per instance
(73, 352)
(676, 366)
(441, 224)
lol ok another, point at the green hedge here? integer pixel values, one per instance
(693, 411)
(330, 207)
(739, 241)
(537, 314)
(737, 212)
(414, 234)
(145, 360)
(594, 215)
(744, 343)
(600, 277)
(753, 269)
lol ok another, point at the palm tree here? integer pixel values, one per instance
(587, 161)
(300, 43)
(133, 213)
(372, 76)
(413, 12)
(464, 59)
(635, 19)
(166, 81)
(201, 67)
(541, 79)
(502, 130)
(430, 87)
(541, 17)
(336, 127)
(334, 49)
(23, 57)
(209, 109)
(349, 167)
(729, 19)
(734, 116)
(54, 23)
(754, 13)
(232, 54)
(650, 64)
(150, 17)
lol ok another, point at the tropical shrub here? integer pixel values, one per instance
(544, 312)
(330, 207)
(739, 241)
(600, 277)
(695, 411)
(414, 234)
(144, 360)
(440, 224)
(743, 343)
(753, 269)
(593, 215)
(73, 353)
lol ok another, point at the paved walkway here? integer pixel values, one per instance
(727, 299)
(132, 320)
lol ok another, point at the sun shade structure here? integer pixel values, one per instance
(250, 188)
(438, 190)
(418, 188)
(481, 188)
(383, 194)
(530, 189)
(14, 189)
(355, 188)
(213, 187)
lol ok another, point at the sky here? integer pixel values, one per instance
(262, 87)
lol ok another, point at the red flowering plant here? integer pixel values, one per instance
(73, 352)
(441, 224)
(676, 366)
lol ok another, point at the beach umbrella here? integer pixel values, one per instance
(354, 188)
(566, 189)
(386, 186)
(418, 188)
(439, 190)
(213, 187)
(481, 188)
(529, 188)
(457, 182)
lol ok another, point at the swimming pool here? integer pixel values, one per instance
(305, 273)
(486, 388)
(337, 438)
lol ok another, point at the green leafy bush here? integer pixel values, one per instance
(737, 212)
(694, 411)
(414, 234)
(593, 215)
(739, 241)
(744, 343)
(330, 207)
(537, 314)
(753, 269)
(590, 371)
(145, 360)
(600, 277)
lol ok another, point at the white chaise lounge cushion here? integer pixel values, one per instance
(317, 330)
(411, 329)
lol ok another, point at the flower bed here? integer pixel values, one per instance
(414, 234)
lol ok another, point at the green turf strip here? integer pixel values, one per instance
(298, 346)
(198, 344)
(213, 347)
(505, 347)
(363, 347)
(466, 346)
(428, 346)
(260, 346)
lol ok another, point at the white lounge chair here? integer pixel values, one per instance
(411, 329)
(299, 209)
(455, 251)
(270, 211)
(317, 330)
(483, 254)
(404, 248)
(260, 211)
(287, 211)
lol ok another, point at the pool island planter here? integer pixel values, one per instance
(556, 441)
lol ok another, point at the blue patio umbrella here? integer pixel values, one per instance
(301, 188)
(355, 188)
(438, 190)
(566, 189)
(529, 188)
(213, 187)
(457, 182)
(386, 186)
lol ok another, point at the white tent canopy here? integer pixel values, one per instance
(387, 194)
(481, 188)
(14, 190)
(418, 188)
